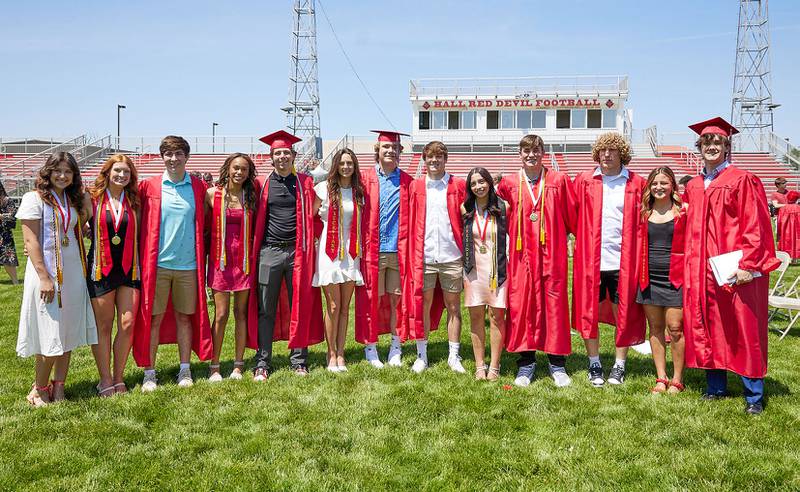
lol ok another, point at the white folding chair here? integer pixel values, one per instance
(790, 301)
(779, 289)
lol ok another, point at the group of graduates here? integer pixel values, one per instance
(407, 250)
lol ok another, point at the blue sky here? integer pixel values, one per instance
(180, 65)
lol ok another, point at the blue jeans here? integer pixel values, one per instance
(717, 381)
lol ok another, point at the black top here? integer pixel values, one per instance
(281, 207)
(659, 244)
(116, 250)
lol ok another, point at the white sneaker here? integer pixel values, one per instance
(185, 378)
(334, 369)
(395, 357)
(522, 381)
(372, 357)
(419, 366)
(643, 348)
(561, 378)
(149, 384)
(454, 361)
(215, 378)
(235, 375)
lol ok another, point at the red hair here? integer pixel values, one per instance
(101, 182)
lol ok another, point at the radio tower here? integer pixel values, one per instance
(302, 114)
(751, 109)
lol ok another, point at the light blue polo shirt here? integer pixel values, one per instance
(176, 248)
(389, 208)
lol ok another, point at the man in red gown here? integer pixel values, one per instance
(172, 251)
(604, 276)
(380, 302)
(541, 212)
(283, 303)
(726, 326)
(435, 250)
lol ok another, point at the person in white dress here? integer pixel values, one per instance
(56, 314)
(339, 203)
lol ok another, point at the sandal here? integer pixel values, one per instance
(104, 392)
(655, 389)
(35, 397)
(214, 375)
(120, 388)
(57, 391)
(679, 387)
(494, 374)
(480, 372)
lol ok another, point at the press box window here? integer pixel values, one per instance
(524, 119)
(593, 117)
(468, 119)
(609, 118)
(424, 120)
(452, 120)
(539, 119)
(440, 120)
(507, 119)
(492, 120)
(578, 118)
(562, 118)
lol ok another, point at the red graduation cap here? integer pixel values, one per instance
(389, 136)
(716, 126)
(280, 140)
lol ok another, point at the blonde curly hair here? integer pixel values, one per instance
(612, 140)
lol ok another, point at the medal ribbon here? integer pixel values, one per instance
(523, 181)
(482, 234)
(116, 212)
(64, 212)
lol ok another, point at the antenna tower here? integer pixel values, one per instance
(302, 114)
(752, 107)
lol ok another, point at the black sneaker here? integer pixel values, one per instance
(596, 375)
(754, 408)
(617, 375)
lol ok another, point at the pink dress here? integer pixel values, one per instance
(477, 291)
(232, 279)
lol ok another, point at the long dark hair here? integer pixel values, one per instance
(647, 197)
(249, 186)
(355, 180)
(469, 203)
(74, 191)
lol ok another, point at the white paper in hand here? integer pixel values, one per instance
(724, 267)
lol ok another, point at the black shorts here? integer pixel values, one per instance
(609, 284)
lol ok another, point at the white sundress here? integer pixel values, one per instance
(336, 271)
(46, 329)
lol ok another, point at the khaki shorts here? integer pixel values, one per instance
(388, 274)
(183, 286)
(449, 274)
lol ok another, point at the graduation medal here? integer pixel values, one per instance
(482, 234)
(117, 215)
(534, 216)
(65, 241)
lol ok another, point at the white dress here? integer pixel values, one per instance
(46, 329)
(336, 271)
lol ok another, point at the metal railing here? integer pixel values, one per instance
(30, 163)
(343, 143)
(521, 87)
(784, 151)
(553, 162)
(651, 137)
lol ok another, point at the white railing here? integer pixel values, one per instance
(553, 162)
(522, 87)
(343, 143)
(783, 150)
(33, 162)
(651, 137)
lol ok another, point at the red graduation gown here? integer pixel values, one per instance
(149, 232)
(456, 191)
(586, 311)
(373, 312)
(676, 253)
(538, 302)
(726, 327)
(301, 323)
(789, 230)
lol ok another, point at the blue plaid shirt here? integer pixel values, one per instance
(709, 177)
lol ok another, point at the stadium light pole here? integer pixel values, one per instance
(120, 107)
(213, 136)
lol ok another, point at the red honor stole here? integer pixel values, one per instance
(334, 242)
(219, 214)
(103, 262)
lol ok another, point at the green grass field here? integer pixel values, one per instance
(371, 429)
